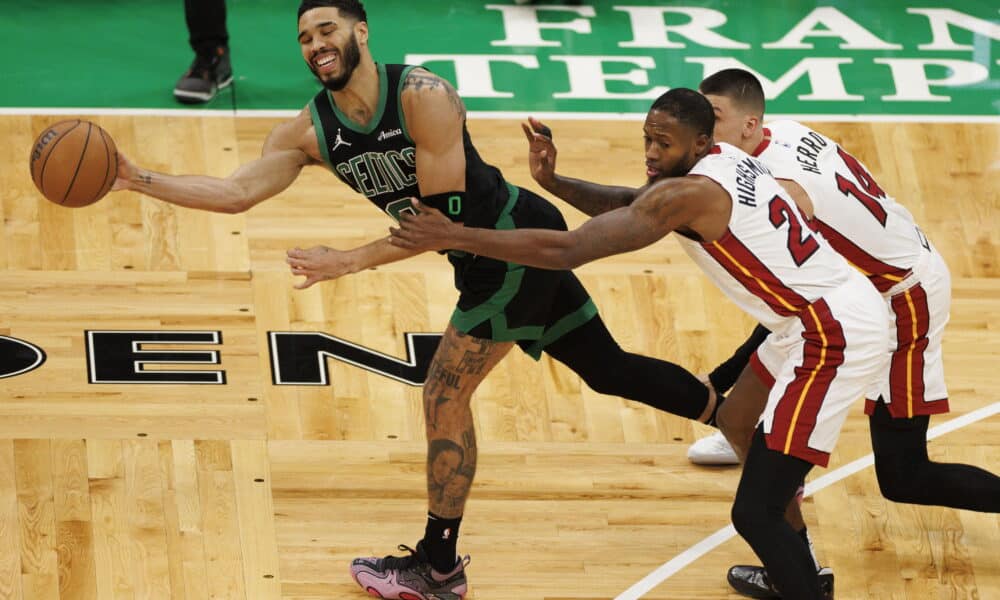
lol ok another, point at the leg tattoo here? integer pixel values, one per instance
(459, 365)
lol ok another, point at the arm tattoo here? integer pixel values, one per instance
(593, 198)
(146, 178)
(419, 79)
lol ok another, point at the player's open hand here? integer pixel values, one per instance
(126, 173)
(541, 151)
(318, 263)
(426, 230)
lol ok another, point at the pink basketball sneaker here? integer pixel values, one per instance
(409, 577)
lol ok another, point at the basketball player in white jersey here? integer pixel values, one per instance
(880, 238)
(737, 223)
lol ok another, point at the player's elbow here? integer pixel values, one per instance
(237, 200)
(561, 258)
(234, 207)
(568, 262)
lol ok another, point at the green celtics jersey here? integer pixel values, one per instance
(378, 160)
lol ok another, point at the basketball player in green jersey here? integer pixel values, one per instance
(394, 133)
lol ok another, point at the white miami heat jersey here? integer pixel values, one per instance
(768, 262)
(863, 223)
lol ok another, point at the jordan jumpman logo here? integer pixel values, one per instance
(338, 142)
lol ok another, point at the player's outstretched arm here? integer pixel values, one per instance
(323, 263)
(250, 184)
(587, 197)
(664, 207)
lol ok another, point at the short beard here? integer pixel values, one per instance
(350, 58)
(680, 170)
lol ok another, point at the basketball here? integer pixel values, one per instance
(74, 163)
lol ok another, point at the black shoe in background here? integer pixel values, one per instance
(752, 582)
(208, 74)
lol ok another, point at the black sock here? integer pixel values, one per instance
(441, 542)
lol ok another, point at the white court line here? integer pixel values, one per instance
(671, 567)
(519, 115)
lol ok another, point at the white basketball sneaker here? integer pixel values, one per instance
(713, 450)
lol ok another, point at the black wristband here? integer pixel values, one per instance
(451, 204)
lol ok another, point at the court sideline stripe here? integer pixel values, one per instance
(685, 558)
(552, 116)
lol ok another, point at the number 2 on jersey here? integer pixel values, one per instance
(800, 247)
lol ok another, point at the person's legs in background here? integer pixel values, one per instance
(211, 69)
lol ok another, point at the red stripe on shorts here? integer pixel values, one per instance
(906, 373)
(762, 373)
(796, 413)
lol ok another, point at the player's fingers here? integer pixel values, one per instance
(541, 128)
(429, 211)
(528, 133)
(399, 241)
(400, 234)
(311, 279)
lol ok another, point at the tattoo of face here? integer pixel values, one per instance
(450, 470)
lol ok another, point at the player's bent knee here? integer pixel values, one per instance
(603, 382)
(748, 519)
(898, 487)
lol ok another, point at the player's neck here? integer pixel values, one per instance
(753, 142)
(359, 98)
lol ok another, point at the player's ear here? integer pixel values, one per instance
(361, 32)
(750, 125)
(702, 144)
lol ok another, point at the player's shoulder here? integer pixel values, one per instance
(691, 188)
(293, 134)
(721, 154)
(420, 81)
(790, 133)
(294, 127)
(425, 95)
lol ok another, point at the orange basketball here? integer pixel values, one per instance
(74, 163)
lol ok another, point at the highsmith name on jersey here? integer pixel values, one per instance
(768, 262)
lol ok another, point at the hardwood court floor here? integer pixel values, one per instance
(252, 490)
